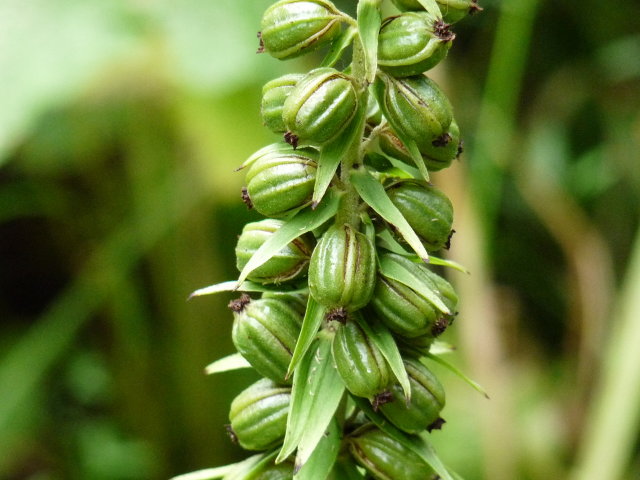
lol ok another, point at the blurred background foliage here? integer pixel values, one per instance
(121, 123)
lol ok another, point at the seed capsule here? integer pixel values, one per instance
(294, 27)
(274, 93)
(288, 264)
(385, 458)
(403, 309)
(342, 269)
(427, 400)
(412, 43)
(297, 301)
(282, 182)
(452, 10)
(437, 154)
(265, 332)
(360, 363)
(320, 106)
(258, 415)
(416, 107)
(427, 209)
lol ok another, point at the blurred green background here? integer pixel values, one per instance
(121, 123)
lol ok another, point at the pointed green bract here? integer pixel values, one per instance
(368, 26)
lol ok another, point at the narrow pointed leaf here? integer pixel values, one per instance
(399, 273)
(251, 467)
(399, 164)
(417, 444)
(338, 46)
(303, 222)
(231, 362)
(439, 347)
(318, 462)
(369, 26)
(416, 156)
(219, 472)
(333, 152)
(313, 317)
(432, 7)
(233, 286)
(386, 240)
(383, 339)
(374, 194)
(315, 395)
(476, 386)
(448, 263)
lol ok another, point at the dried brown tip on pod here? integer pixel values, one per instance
(443, 31)
(238, 304)
(381, 399)
(292, 139)
(261, 44)
(339, 314)
(246, 199)
(437, 424)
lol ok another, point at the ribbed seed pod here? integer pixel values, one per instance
(359, 361)
(274, 93)
(290, 263)
(427, 400)
(427, 209)
(412, 43)
(265, 332)
(437, 154)
(403, 309)
(320, 106)
(297, 301)
(280, 183)
(416, 107)
(452, 10)
(342, 269)
(294, 27)
(258, 415)
(416, 346)
(385, 458)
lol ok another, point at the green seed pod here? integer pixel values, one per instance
(280, 183)
(387, 459)
(274, 93)
(427, 400)
(360, 363)
(288, 264)
(265, 332)
(416, 107)
(455, 10)
(258, 415)
(294, 27)
(437, 154)
(342, 269)
(282, 471)
(412, 43)
(405, 311)
(297, 301)
(320, 106)
(416, 346)
(427, 209)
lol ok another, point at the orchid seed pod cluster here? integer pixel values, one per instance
(342, 292)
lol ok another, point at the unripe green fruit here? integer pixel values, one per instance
(294, 27)
(387, 459)
(452, 10)
(412, 43)
(416, 346)
(320, 106)
(280, 183)
(274, 93)
(342, 269)
(297, 301)
(288, 264)
(437, 154)
(359, 361)
(427, 400)
(265, 332)
(416, 107)
(258, 415)
(405, 311)
(282, 471)
(427, 209)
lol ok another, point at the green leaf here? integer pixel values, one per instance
(315, 396)
(476, 386)
(333, 152)
(322, 458)
(219, 472)
(374, 194)
(231, 362)
(311, 322)
(369, 228)
(386, 240)
(369, 26)
(251, 467)
(400, 165)
(305, 221)
(389, 349)
(422, 285)
(338, 46)
(235, 286)
(438, 347)
(447, 263)
(417, 444)
(432, 7)
(416, 156)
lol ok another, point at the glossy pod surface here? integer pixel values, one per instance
(294, 27)
(290, 263)
(258, 415)
(265, 333)
(342, 269)
(274, 94)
